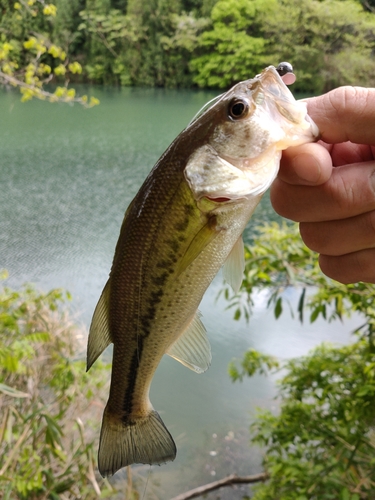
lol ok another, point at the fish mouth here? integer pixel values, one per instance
(255, 164)
(299, 125)
(220, 199)
(270, 83)
(254, 177)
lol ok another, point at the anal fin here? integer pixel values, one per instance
(99, 336)
(192, 348)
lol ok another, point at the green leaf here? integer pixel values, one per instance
(38, 337)
(278, 308)
(301, 304)
(15, 393)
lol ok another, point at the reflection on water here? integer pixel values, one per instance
(67, 175)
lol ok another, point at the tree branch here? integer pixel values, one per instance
(104, 40)
(226, 481)
(39, 92)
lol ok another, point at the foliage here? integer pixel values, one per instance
(321, 444)
(29, 59)
(278, 259)
(252, 362)
(235, 48)
(45, 449)
(329, 42)
(183, 43)
(149, 45)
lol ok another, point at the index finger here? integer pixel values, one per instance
(345, 114)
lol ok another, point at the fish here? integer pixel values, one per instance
(184, 224)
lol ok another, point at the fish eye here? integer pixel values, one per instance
(238, 108)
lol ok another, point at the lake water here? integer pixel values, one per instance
(67, 175)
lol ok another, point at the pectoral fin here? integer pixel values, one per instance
(203, 238)
(234, 265)
(99, 336)
(192, 348)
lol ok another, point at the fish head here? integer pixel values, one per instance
(247, 128)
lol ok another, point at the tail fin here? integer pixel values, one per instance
(146, 441)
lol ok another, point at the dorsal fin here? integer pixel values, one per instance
(99, 336)
(192, 348)
(234, 265)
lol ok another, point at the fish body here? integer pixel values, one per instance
(185, 222)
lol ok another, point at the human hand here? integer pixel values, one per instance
(329, 186)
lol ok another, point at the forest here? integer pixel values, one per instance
(191, 43)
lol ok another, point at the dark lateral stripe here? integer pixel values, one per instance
(132, 378)
(144, 330)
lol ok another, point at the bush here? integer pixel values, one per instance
(45, 395)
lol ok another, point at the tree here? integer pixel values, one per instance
(29, 60)
(151, 44)
(329, 42)
(235, 48)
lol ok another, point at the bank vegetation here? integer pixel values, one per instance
(187, 43)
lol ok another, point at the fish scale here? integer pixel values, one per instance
(185, 222)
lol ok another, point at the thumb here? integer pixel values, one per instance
(309, 164)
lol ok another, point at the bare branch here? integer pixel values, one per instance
(226, 481)
(104, 40)
(368, 6)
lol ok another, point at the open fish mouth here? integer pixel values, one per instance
(295, 112)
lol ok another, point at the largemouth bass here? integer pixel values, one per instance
(185, 222)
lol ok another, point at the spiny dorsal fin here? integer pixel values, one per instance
(99, 336)
(192, 348)
(234, 266)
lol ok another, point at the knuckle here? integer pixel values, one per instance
(352, 189)
(350, 102)
(341, 192)
(347, 193)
